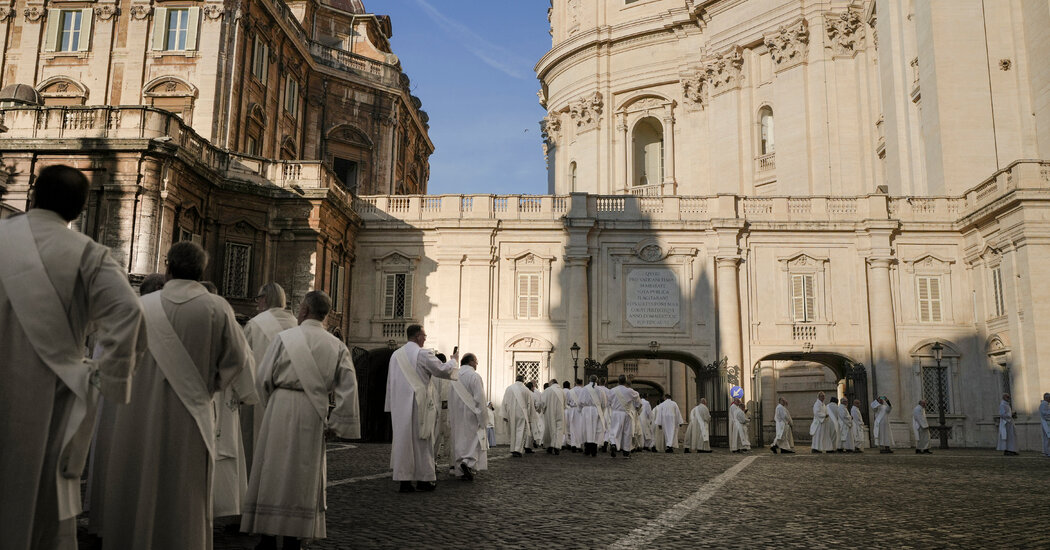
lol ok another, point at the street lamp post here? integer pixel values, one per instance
(938, 354)
(575, 351)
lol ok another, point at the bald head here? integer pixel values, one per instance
(316, 305)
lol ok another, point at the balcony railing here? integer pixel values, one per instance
(765, 163)
(382, 73)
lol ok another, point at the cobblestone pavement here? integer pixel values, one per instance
(958, 498)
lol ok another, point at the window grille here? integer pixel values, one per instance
(930, 376)
(336, 282)
(529, 369)
(238, 270)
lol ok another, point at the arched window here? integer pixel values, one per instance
(648, 152)
(572, 176)
(765, 123)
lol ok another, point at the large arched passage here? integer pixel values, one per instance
(687, 379)
(798, 377)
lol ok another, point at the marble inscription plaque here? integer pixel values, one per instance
(653, 298)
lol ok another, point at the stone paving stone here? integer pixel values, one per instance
(966, 498)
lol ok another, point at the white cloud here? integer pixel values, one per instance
(493, 55)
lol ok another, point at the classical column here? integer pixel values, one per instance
(577, 317)
(882, 330)
(624, 175)
(728, 303)
(668, 152)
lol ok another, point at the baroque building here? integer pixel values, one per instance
(246, 126)
(783, 195)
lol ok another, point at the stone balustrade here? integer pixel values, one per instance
(164, 129)
(381, 73)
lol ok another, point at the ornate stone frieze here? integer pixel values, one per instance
(587, 111)
(34, 13)
(105, 13)
(213, 12)
(845, 32)
(789, 45)
(139, 12)
(694, 89)
(6, 13)
(724, 71)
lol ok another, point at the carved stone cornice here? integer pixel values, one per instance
(105, 13)
(587, 111)
(140, 12)
(845, 32)
(789, 45)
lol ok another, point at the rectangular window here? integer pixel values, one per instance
(291, 97)
(177, 29)
(346, 171)
(529, 369)
(929, 299)
(931, 378)
(528, 296)
(397, 296)
(70, 39)
(237, 270)
(335, 286)
(252, 146)
(260, 59)
(803, 298)
(997, 292)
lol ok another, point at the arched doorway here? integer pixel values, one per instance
(709, 380)
(372, 367)
(798, 377)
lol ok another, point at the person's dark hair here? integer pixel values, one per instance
(530, 385)
(566, 384)
(834, 399)
(593, 379)
(186, 260)
(413, 330)
(579, 382)
(519, 378)
(61, 189)
(546, 385)
(668, 396)
(468, 358)
(441, 357)
(622, 379)
(318, 303)
(151, 283)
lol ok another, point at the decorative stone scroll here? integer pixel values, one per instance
(105, 13)
(34, 14)
(845, 32)
(6, 13)
(140, 12)
(789, 45)
(213, 12)
(587, 111)
(716, 75)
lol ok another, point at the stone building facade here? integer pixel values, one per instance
(788, 196)
(245, 126)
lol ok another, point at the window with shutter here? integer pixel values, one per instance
(997, 292)
(291, 97)
(929, 289)
(803, 298)
(397, 296)
(260, 59)
(528, 295)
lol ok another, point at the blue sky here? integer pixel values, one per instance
(471, 63)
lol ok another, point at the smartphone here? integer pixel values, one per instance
(455, 350)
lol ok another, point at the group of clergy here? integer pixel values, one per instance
(149, 390)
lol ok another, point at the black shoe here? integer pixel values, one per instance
(515, 454)
(885, 451)
(857, 451)
(528, 451)
(670, 450)
(467, 474)
(627, 454)
(557, 451)
(268, 542)
(406, 487)
(918, 451)
(814, 451)
(785, 451)
(605, 446)
(927, 452)
(705, 451)
(774, 449)
(426, 485)
(292, 543)
(550, 450)
(612, 450)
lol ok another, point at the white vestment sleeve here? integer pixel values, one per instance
(345, 418)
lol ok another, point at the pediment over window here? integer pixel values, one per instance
(396, 261)
(996, 344)
(801, 262)
(529, 258)
(350, 135)
(928, 263)
(529, 342)
(169, 86)
(61, 90)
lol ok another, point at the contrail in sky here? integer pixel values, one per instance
(493, 55)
